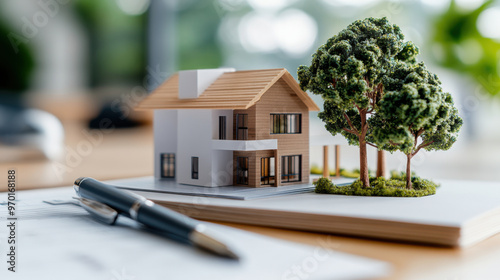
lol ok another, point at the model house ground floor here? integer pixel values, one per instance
(248, 168)
(268, 168)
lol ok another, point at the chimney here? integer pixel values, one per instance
(192, 83)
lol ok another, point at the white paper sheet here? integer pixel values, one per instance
(64, 242)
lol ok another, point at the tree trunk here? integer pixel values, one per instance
(363, 158)
(363, 164)
(380, 163)
(408, 172)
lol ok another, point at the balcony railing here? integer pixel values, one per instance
(245, 145)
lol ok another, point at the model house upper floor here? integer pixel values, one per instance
(237, 109)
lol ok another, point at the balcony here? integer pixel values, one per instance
(245, 145)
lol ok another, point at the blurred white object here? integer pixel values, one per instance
(29, 133)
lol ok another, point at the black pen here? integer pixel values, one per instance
(150, 214)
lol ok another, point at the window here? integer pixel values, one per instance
(267, 171)
(222, 127)
(241, 126)
(286, 123)
(291, 168)
(168, 165)
(242, 170)
(194, 167)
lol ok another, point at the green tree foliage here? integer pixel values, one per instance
(348, 72)
(414, 113)
(376, 94)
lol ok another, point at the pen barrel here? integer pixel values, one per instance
(137, 207)
(117, 199)
(165, 220)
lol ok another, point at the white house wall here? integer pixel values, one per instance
(194, 134)
(165, 136)
(222, 168)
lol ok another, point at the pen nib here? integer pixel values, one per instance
(204, 241)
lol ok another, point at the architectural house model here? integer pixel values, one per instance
(220, 127)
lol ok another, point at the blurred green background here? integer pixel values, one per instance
(101, 49)
(110, 38)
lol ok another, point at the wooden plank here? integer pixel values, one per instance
(326, 171)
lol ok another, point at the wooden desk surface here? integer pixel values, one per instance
(104, 155)
(129, 153)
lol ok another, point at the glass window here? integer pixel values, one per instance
(194, 167)
(168, 165)
(286, 123)
(291, 168)
(241, 126)
(242, 170)
(222, 127)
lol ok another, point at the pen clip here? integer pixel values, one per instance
(98, 210)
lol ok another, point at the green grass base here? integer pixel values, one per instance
(395, 187)
(343, 172)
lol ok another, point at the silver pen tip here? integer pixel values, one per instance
(79, 181)
(204, 241)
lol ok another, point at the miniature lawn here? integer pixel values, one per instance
(343, 172)
(396, 186)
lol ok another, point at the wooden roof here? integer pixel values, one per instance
(232, 90)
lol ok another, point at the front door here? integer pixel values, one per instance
(242, 170)
(267, 176)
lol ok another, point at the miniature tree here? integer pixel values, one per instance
(414, 114)
(348, 72)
